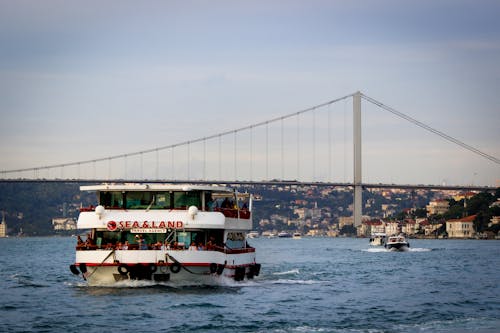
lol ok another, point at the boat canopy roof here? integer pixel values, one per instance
(135, 187)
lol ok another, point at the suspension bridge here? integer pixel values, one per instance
(313, 146)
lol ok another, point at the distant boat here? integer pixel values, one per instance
(268, 234)
(297, 235)
(378, 239)
(397, 243)
(253, 234)
(284, 234)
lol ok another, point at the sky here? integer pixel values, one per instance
(81, 80)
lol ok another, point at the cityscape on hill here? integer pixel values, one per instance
(43, 209)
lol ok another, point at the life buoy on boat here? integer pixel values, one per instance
(175, 267)
(213, 268)
(123, 269)
(74, 270)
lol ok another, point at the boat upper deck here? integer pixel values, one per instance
(170, 197)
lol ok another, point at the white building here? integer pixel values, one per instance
(437, 207)
(461, 228)
(64, 223)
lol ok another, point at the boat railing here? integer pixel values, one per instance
(223, 249)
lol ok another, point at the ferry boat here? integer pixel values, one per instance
(397, 243)
(168, 233)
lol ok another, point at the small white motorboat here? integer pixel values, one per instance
(397, 243)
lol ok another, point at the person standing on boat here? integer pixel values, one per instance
(165, 246)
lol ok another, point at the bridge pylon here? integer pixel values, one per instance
(358, 188)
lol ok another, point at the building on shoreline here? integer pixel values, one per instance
(461, 228)
(63, 223)
(437, 207)
(3, 226)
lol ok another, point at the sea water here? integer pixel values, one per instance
(305, 285)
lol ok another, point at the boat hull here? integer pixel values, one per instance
(398, 247)
(103, 267)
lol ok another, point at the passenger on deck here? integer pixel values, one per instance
(119, 246)
(193, 247)
(165, 246)
(141, 243)
(210, 244)
(79, 241)
(125, 246)
(201, 247)
(89, 239)
(89, 242)
(225, 203)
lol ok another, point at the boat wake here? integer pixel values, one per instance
(382, 249)
(293, 271)
(377, 249)
(291, 281)
(419, 249)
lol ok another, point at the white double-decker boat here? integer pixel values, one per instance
(181, 234)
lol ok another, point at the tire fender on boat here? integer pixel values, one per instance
(220, 268)
(175, 267)
(152, 268)
(213, 268)
(74, 270)
(123, 269)
(256, 269)
(83, 268)
(239, 273)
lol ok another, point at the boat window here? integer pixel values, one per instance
(162, 200)
(184, 239)
(111, 199)
(185, 199)
(104, 238)
(139, 200)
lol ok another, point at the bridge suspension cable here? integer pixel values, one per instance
(430, 129)
(265, 125)
(179, 144)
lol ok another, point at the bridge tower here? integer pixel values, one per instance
(358, 189)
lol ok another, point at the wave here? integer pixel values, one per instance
(290, 281)
(26, 281)
(293, 271)
(419, 249)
